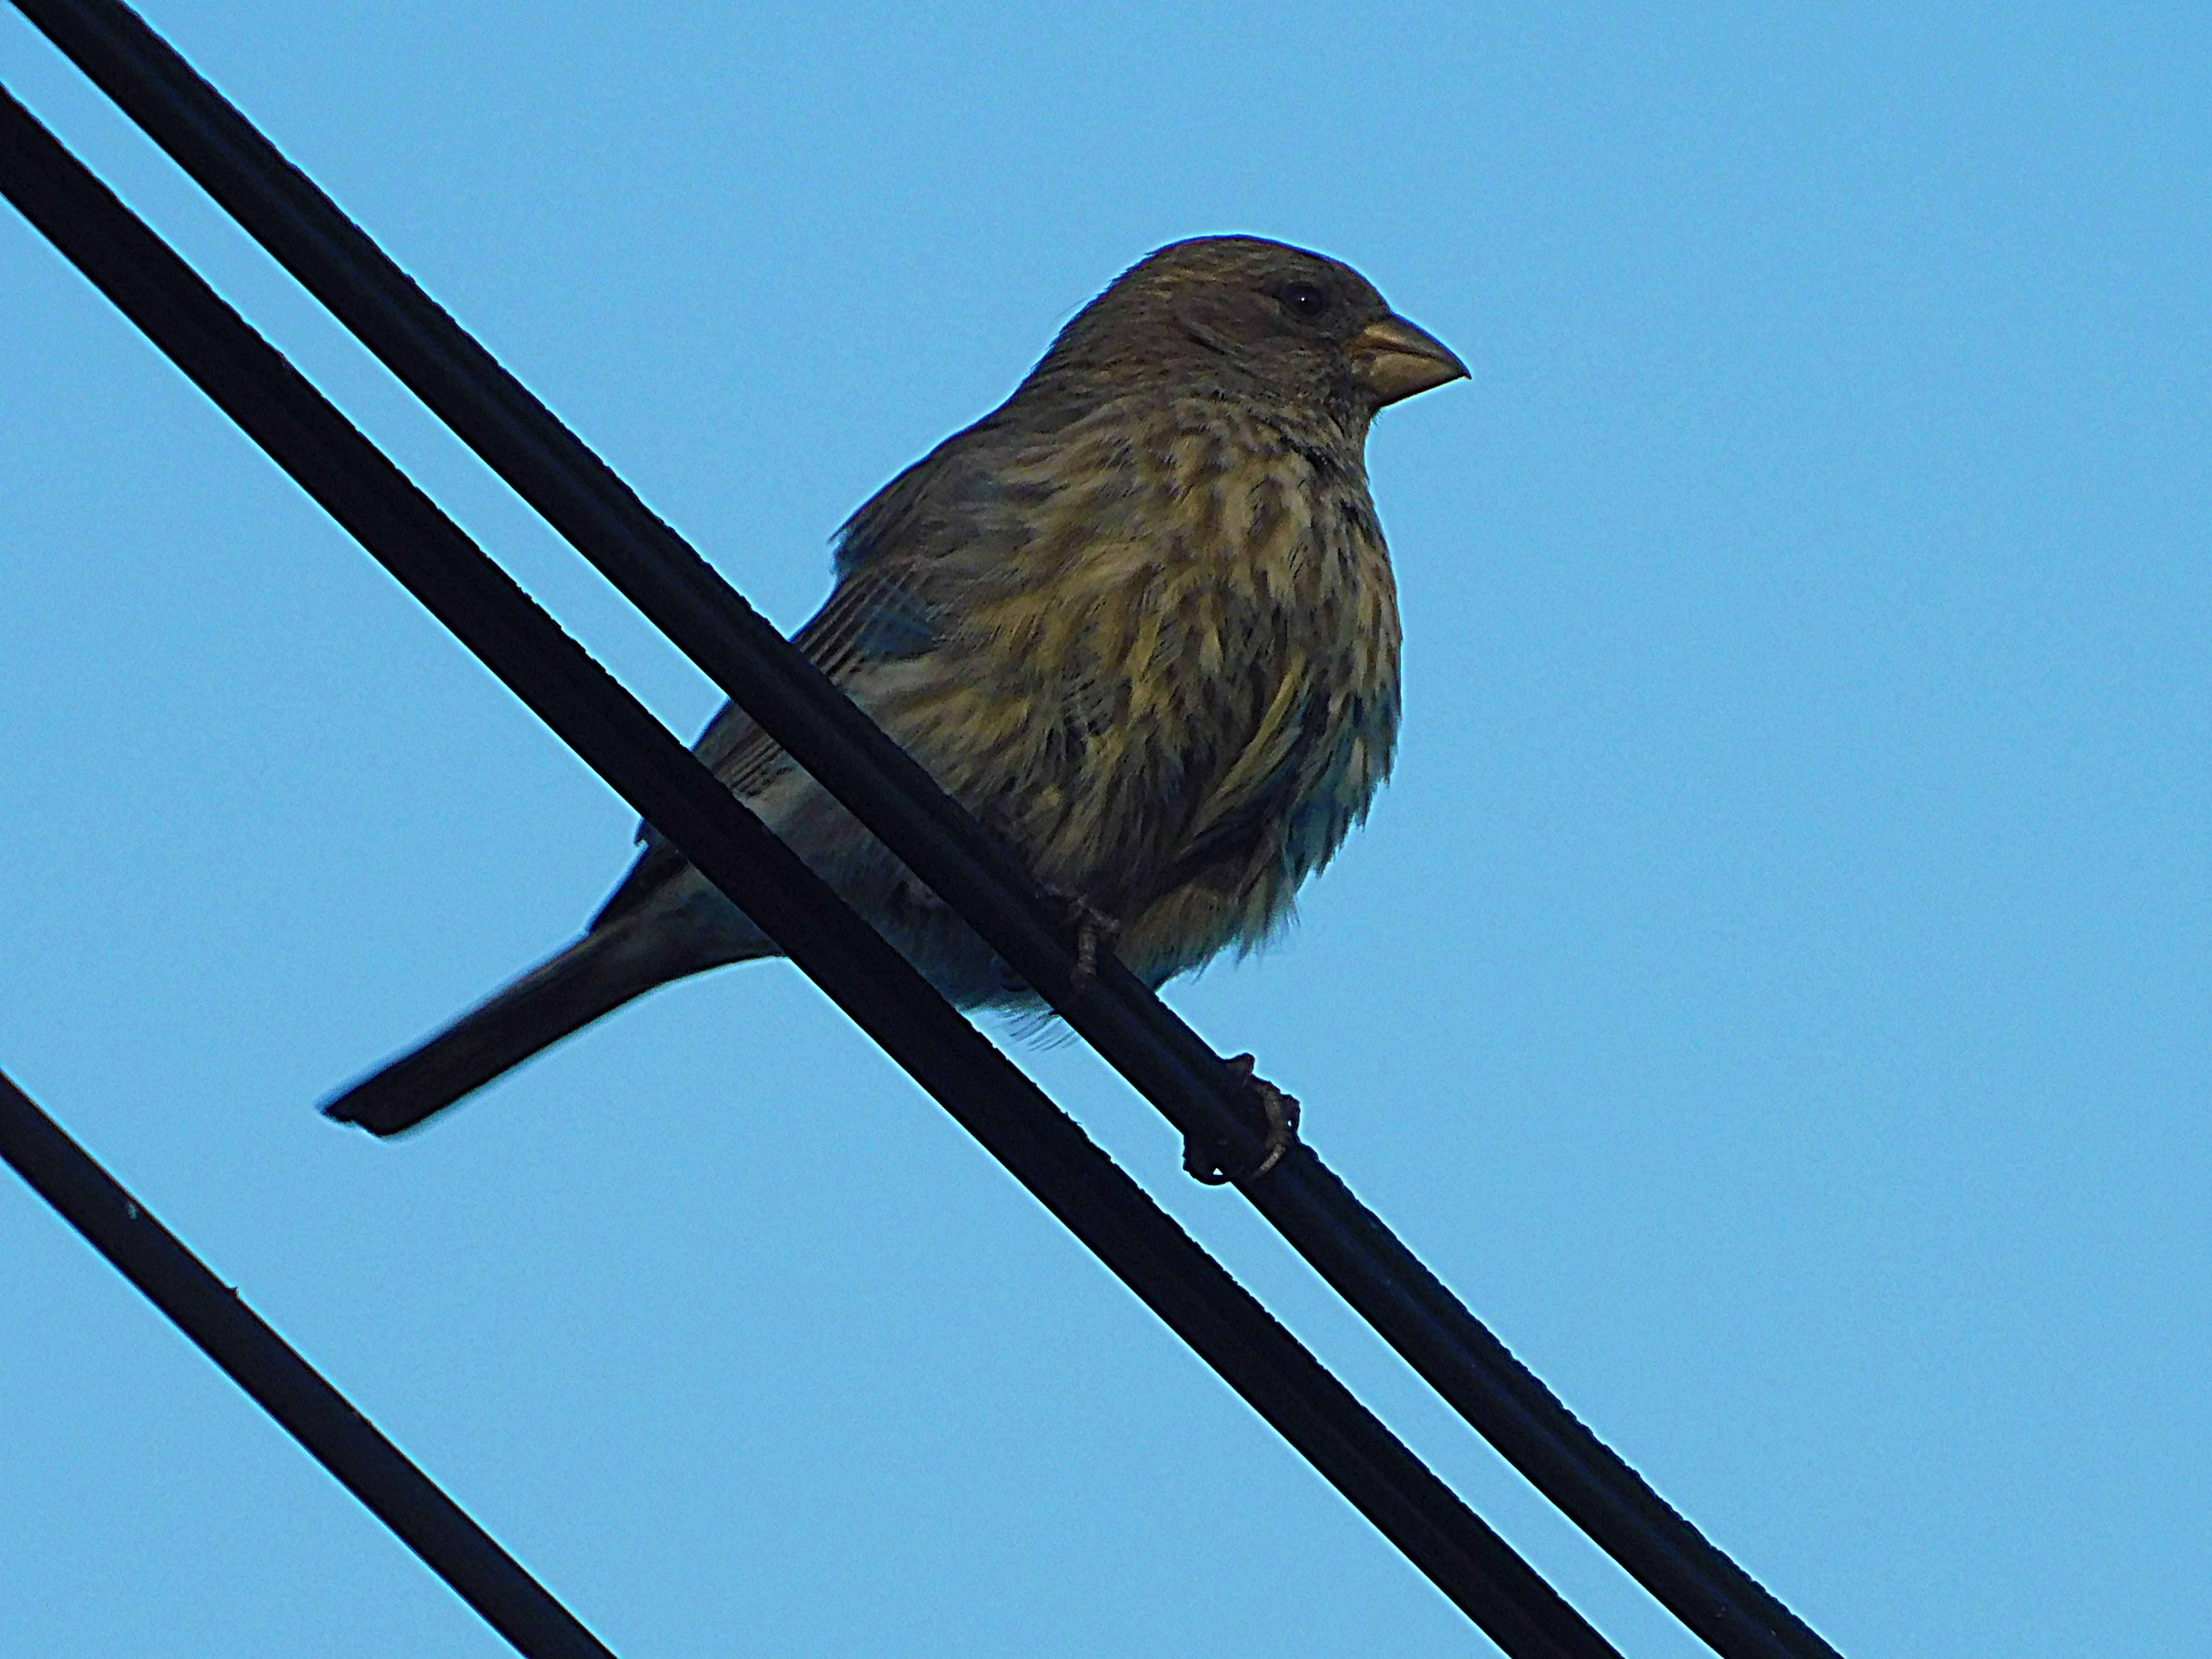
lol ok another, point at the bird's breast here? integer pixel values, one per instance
(1181, 659)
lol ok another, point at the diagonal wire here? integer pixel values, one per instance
(620, 739)
(575, 491)
(287, 1387)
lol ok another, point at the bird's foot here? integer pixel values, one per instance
(1093, 933)
(1281, 1112)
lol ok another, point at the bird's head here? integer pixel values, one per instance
(1254, 316)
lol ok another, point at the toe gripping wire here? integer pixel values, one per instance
(1278, 1110)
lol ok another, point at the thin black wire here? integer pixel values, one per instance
(615, 734)
(287, 1387)
(576, 492)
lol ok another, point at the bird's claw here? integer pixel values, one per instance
(1281, 1112)
(1095, 933)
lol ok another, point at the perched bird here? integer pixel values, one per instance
(1138, 619)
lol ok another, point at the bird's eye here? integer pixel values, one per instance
(1306, 301)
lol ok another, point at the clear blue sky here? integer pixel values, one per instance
(1774, 992)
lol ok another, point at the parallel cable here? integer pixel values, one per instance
(435, 561)
(581, 497)
(287, 1387)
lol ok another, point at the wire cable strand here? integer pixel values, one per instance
(435, 560)
(287, 1387)
(575, 491)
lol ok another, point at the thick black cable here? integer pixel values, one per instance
(575, 491)
(620, 739)
(287, 1387)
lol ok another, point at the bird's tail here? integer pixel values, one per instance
(565, 993)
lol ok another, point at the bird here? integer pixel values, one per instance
(1140, 620)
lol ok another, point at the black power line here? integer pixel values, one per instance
(581, 497)
(287, 1387)
(615, 734)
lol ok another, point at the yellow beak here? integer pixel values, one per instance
(1394, 360)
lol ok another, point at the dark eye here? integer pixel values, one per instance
(1306, 301)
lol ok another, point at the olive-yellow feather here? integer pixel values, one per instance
(1140, 619)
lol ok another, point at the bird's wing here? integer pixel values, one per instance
(896, 556)
(903, 560)
(872, 617)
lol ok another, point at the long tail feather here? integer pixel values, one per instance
(567, 991)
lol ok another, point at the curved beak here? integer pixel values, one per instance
(1393, 359)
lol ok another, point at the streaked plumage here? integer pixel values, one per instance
(1140, 620)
